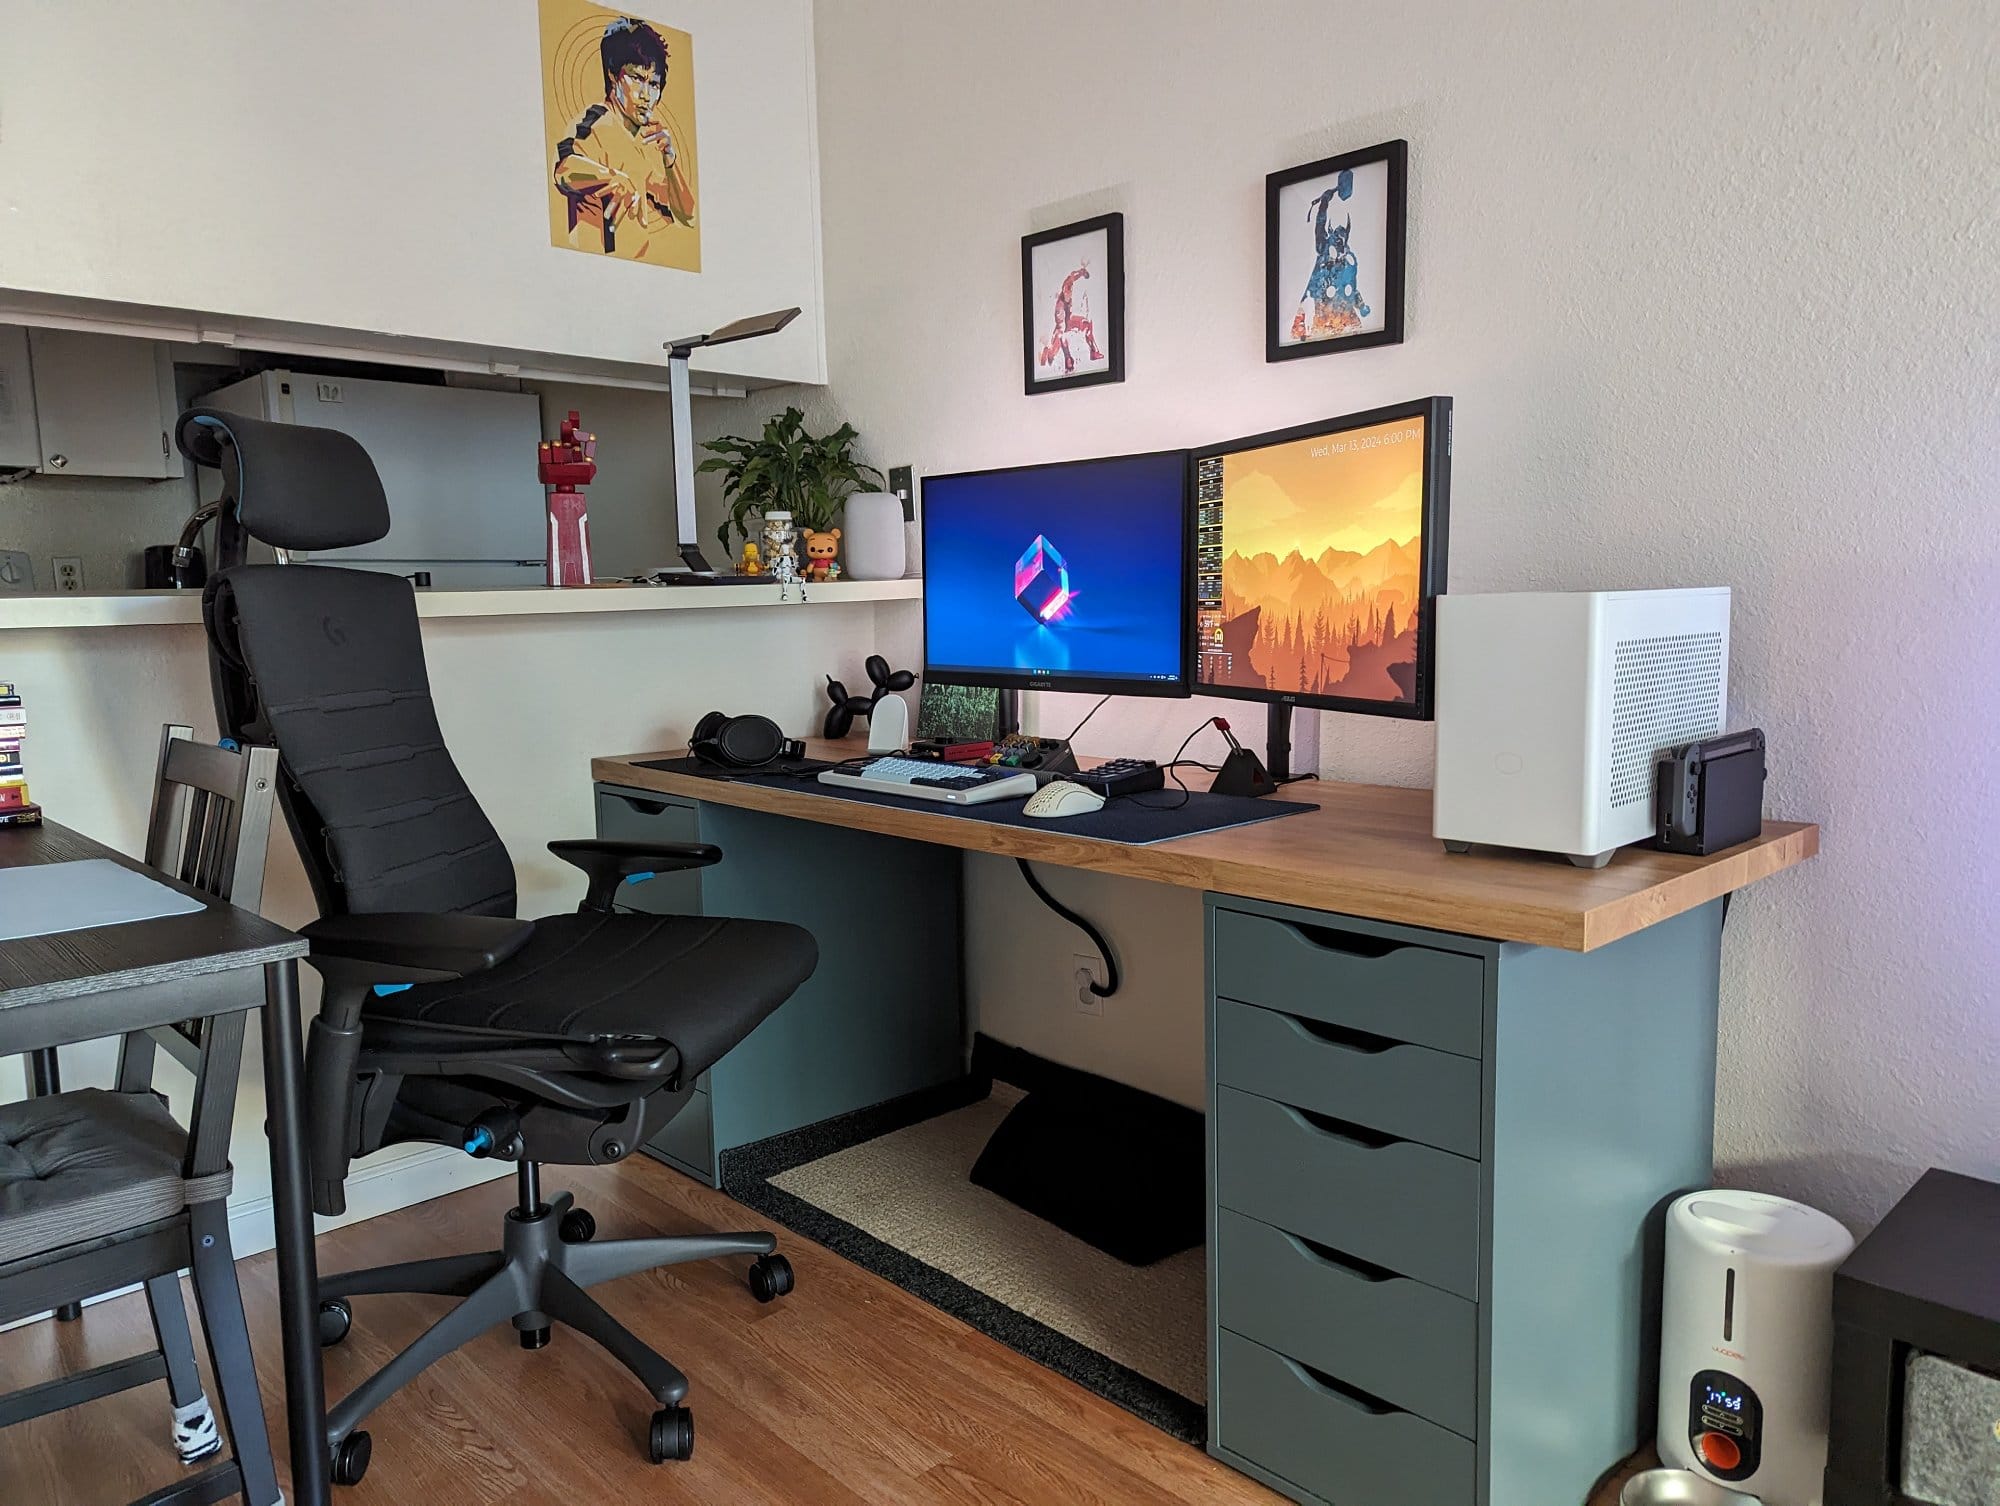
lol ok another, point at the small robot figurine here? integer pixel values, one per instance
(567, 464)
(845, 708)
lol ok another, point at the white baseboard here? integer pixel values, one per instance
(395, 1181)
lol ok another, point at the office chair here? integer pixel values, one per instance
(102, 1188)
(445, 1019)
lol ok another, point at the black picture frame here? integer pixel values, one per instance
(1033, 316)
(1280, 301)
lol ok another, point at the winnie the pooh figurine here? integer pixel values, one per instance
(820, 550)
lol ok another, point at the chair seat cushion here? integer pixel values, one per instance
(702, 984)
(80, 1165)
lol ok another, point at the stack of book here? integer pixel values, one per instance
(16, 809)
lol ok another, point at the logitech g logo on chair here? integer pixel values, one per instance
(335, 633)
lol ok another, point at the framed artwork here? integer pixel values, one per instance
(1333, 253)
(618, 117)
(1073, 305)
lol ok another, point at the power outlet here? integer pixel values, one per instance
(902, 484)
(69, 573)
(1084, 971)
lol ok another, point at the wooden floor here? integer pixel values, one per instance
(848, 1393)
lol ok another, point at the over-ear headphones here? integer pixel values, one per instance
(741, 742)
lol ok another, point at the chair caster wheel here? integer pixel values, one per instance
(770, 1277)
(577, 1227)
(350, 1459)
(335, 1319)
(671, 1438)
(534, 1338)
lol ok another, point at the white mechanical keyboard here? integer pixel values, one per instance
(926, 779)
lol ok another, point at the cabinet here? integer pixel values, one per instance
(1435, 1165)
(878, 1019)
(74, 404)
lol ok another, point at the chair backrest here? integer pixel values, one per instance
(210, 828)
(211, 821)
(327, 664)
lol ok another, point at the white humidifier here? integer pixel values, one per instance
(1746, 1338)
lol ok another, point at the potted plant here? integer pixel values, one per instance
(788, 469)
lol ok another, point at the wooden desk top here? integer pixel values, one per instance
(1365, 850)
(73, 964)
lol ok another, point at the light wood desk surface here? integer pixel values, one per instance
(1364, 850)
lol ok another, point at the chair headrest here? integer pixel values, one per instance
(296, 487)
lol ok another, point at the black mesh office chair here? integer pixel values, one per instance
(569, 1039)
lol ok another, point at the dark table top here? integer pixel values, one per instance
(1939, 1246)
(72, 964)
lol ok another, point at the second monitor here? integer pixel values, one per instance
(1059, 577)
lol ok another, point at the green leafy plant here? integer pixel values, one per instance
(786, 469)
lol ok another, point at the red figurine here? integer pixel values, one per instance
(565, 465)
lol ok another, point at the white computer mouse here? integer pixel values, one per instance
(1059, 798)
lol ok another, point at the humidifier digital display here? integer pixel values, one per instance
(1724, 1425)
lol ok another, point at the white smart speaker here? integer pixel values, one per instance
(1554, 707)
(1746, 1338)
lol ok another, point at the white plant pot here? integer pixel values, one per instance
(872, 539)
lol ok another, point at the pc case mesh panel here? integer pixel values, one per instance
(1664, 692)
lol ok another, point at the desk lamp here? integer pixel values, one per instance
(699, 572)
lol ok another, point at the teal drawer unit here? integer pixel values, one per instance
(1409, 1344)
(1340, 1444)
(878, 1019)
(1435, 1164)
(1410, 1092)
(630, 816)
(1390, 1202)
(686, 1141)
(1323, 967)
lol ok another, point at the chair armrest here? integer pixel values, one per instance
(606, 865)
(416, 943)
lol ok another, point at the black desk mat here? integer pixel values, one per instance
(1135, 820)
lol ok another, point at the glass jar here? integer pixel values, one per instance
(781, 548)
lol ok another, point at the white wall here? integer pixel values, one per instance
(381, 166)
(1713, 288)
(525, 703)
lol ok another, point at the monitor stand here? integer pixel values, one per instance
(1278, 741)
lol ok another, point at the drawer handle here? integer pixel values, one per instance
(1347, 943)
(643, 807)
(1347, 1265)
(1340, 1129)
(1340, 1037)
(1334, 1390)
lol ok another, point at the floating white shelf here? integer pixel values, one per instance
(165, 608)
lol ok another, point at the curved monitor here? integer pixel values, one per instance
(1318, 551)
(1059, 577)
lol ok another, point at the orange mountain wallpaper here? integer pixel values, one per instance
(1320, 560)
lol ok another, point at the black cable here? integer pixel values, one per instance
(1172, 767)
(1107, 988)
(1086, 717)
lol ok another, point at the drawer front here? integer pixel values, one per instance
(1350, 1449)
(1387, 988)
(1412, 1345)
(634, 816)
(1411, 1092)
(686, 1139)
(1388, 1202)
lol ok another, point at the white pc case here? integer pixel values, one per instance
(1553, 708)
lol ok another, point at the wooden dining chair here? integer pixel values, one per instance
(103, 1187)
